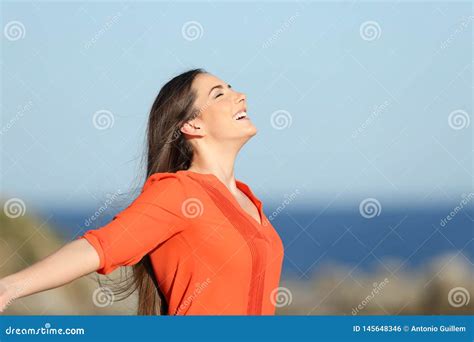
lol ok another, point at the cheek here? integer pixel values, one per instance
(219, 117)
(220, 125)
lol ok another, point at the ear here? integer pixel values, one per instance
(191, 127)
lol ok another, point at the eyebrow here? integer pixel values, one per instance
(218, 86)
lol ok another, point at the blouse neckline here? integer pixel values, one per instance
(241, 186)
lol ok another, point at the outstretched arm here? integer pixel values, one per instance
(74, 260)
(152, 218)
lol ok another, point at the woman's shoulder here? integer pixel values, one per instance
(160, 178)
(175, 184)
(175, 191)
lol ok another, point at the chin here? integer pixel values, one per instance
(251, 131)
(248, 135)
(255, 131)
(253, 128)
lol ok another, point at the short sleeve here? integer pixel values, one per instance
(151, 219)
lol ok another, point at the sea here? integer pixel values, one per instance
(394, 239)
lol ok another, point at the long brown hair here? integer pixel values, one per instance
(167, 150)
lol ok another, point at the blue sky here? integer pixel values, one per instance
(373, 99)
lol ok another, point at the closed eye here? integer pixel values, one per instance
(218, 86)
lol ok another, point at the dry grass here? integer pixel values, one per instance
(336, 290)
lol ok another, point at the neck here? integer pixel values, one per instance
(218, 162)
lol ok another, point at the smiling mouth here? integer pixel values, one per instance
(240, 116)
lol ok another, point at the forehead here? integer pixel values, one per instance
(203, 83)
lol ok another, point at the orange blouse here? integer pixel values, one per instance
(210, 256)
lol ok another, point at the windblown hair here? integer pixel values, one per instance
(167, 151)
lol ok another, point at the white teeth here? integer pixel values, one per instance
(240, 115)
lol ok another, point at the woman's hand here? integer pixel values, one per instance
(72, 261)
(5, 298)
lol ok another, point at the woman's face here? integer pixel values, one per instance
(219, 106)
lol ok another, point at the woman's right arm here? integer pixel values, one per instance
(74, 260)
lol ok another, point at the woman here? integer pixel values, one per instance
(197, 238)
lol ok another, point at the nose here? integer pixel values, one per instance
(240, 97)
